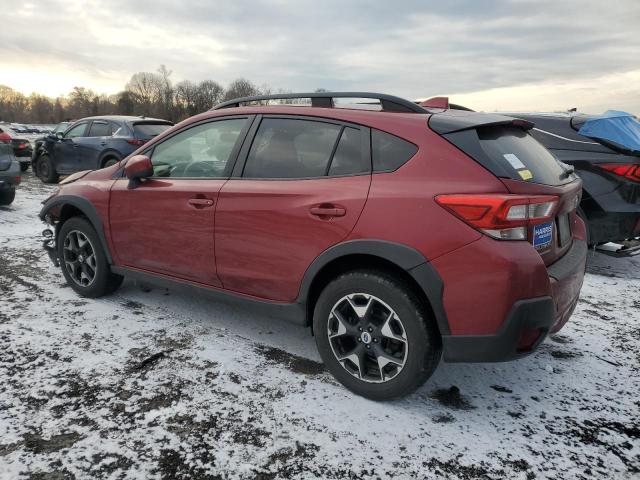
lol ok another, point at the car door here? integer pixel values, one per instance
(90, 146)
(166, 224)
(65, 150)
(298, 189)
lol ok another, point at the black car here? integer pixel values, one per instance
(38, 142)
(92, 143)
(610, 173)
(21, 146)
(9, 174)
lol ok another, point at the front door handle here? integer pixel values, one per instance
(200, 202)
(328, 211)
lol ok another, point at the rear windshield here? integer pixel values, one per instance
(148, 130)
(521, 155)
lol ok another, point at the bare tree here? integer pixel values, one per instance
(208, 94)
(186, 97)
(240, 87)
(144, 88)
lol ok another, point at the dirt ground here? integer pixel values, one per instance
(151, 383)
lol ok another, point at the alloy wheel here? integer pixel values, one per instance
(367, 338)
(80, 258)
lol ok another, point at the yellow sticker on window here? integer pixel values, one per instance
(525, 174)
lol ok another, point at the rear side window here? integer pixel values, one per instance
(520, 155)
(291, 148)
(389, 152)
(149, 130)
(100, 129)
(348, 158)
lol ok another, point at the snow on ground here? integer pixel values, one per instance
(160, 384)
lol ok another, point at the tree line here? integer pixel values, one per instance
(151, 94)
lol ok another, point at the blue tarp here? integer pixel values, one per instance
(615, 126)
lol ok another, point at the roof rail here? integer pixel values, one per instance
(325, 99)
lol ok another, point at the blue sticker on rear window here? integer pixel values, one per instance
(542, 235)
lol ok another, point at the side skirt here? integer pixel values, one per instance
(292, 312)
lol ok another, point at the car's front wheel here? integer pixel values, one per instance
(375, 335)
(83, 260)
(45, 169)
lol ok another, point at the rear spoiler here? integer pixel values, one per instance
(442, 103)
(451, 121)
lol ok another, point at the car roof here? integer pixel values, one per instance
(122, 118)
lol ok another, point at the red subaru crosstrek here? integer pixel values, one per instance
(399, 235)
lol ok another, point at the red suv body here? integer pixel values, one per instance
(344, 219)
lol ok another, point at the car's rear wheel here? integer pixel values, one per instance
(24, 167)
(7, 197)
(45, 169)
(375, 335)
(83, 260)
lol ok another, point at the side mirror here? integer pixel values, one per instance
(59, 135)
(137, 168)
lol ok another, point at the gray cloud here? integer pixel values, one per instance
(411, 48)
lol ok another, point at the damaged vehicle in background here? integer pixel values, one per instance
(38, 142)
(94, 143)
(604, 150)
(399, 235)
(9, 174)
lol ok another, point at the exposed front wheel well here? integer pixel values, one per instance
(352, 262)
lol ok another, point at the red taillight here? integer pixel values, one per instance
(5, 137)
(502, 216)
(629, 171)
(18, 180)
(22, 146)
(136, 142)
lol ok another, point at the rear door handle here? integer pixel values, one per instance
(328, 211)
(200, 202)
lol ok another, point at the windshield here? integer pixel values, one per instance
(61, 127)
(521, 155)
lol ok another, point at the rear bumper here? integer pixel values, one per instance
(566, 276)
(532, 314)
(529, 321)
(10, 178)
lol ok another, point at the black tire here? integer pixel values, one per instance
(421, 349)
(24, 167)
(109, 161)
(45, 169)
(103, 282)
(7, 197)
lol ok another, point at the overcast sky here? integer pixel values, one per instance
(492, 55)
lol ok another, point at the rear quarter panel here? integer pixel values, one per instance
(401, 206)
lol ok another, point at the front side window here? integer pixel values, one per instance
(77, 131)
(291, 148)
(100, 129)
(202, 151)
